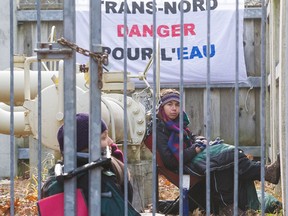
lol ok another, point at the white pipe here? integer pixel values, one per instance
(28, 61)
(60, 114)
(128, 117)
(52, 39)
(19, 123)
(7, 108)
(33, 86)
(113, 127)
(19, 85)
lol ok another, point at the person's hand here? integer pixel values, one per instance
(200, 144)
(198, 149)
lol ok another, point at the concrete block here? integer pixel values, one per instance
(141, 174)
(145, 154)
(133, 152)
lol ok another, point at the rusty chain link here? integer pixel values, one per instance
(100, 58)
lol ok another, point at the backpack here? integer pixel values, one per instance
(114, 205)
(110, 205)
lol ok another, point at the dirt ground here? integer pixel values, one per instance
(25, 194)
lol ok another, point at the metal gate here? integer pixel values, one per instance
(51, 52)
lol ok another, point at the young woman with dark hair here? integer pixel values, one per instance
(221, 157)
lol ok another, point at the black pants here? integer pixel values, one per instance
(223, 182)
(249, 170)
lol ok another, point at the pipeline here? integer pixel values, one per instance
(6, 107)
(26, 105)
(20, 128)
(19, 85)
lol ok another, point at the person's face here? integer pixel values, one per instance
(105, 139)
(171, 109)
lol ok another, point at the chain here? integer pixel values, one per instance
(100, 58)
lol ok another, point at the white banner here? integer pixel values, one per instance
(168, 21)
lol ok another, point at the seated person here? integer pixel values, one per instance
(116, 166)
(194, 157)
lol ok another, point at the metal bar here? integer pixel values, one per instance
(208, 118)
(181, 165)
(39, 141)
(125, 113)
(252, 13)
(12, 140)
(57, 15)
(52, 51)
(236, 113)
(252, 82)
(46, 15)
(155, 188)
(286, 116)
(23, 153)
(263, 105)
(95, 109)
(60, 176)
(69, 110)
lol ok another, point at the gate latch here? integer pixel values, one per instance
(53, 51)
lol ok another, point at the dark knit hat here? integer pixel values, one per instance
(82, 122)
(170, 97)
(103, 126)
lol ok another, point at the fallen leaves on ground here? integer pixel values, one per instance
(25, 198)
(168, 191)
(25, 195)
